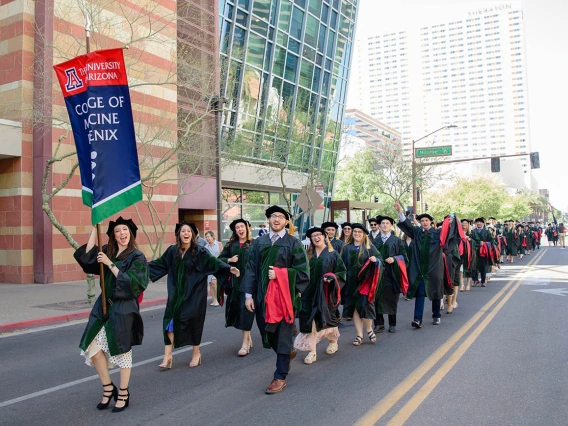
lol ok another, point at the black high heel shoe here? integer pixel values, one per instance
(125, 398)
(113, 394)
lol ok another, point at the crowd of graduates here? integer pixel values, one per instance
(357, 274)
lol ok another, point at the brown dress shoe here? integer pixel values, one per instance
(276, 386)
(292, 356)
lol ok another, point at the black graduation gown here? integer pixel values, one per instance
(337, 244)
(512, 242)
(351, 299)
(426, 261)
(312, 308)
(187, 291)
(124, 327)
(389, 285)
(287, 252)
(236, 315)
(477, 237)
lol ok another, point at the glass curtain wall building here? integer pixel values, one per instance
(284, 71)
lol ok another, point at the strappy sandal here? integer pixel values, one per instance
(310, 358)
(332, 348)
(372, 336)
(358, 341)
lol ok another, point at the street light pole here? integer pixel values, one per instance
(414, 197)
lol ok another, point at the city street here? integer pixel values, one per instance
(499, 359)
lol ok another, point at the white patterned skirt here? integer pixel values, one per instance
(307, 341)
(100, 343)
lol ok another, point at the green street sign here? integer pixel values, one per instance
(435, 151)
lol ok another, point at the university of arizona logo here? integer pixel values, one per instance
(73, 80)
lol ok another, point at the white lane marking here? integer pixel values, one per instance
(87, 379)
(556, 291)
(67, 324)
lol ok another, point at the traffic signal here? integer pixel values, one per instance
(426, 207)
(417, 195)
(376, 199)
(495, 165)
(535, 160)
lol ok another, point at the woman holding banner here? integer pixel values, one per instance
(108, 339)
(187, 266)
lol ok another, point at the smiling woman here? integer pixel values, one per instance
(108, 339)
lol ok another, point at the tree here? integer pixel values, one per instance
(468, 198)
(515, 207)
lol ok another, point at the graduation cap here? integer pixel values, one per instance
(277, 209)
(234, 223)
(424, 215)
(329, 225)
(492, 218)
(359, 226)
(374, 219)
(519, 226)
(381, 218)
(192, 225)
(344, 224)
(121, 221)
(313, 230)
(480, 219)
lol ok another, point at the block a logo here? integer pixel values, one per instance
(73, 80)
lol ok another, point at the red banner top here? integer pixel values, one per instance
(98, 68)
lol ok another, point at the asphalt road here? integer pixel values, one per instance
(499, 359)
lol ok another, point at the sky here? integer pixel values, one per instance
(547, 67)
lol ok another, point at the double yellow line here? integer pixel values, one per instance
(394, 396)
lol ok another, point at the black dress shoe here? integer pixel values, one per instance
(379, 328)
(392, 329)
(416, 324)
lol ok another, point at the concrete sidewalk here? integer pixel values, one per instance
(24, 306)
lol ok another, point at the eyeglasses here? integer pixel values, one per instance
(374, 224)
(277, 216)
(316, 235)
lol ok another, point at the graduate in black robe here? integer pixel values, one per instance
(187, 265)
(330, 229)
(317, 317)
(455, 239)
(276, 274)
(467, 254)
(480, 235)
(512, 241)
(375, 233)
(107, 340)
(362, 261)
(236, 253)
(393, 253)
(426, 272)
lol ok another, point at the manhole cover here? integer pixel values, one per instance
(74, 305)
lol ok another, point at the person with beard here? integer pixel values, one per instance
(361, 259)
(481, 237)
(187, 266)
(330, 229)
(426, 271)
(375, 233)
(320, 300)
(236, 253)
(394, 277)
(277, 273)
(108, 339)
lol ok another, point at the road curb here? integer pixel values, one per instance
(62, 319)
